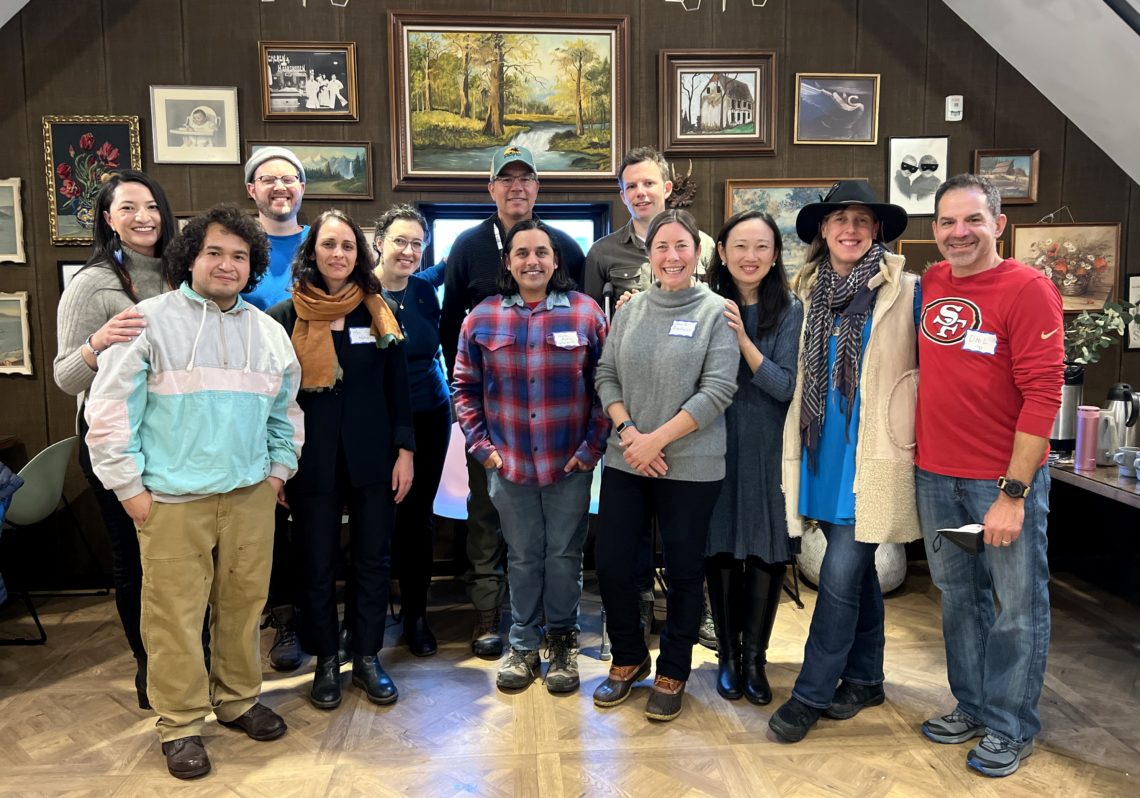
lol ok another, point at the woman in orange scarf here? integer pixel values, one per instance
(358, 428)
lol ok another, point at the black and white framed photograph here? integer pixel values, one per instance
(67, 270)
(1132, 340)
(308, 81)
(194, 124)
(11, 222)
(916, 167)
(15, 335)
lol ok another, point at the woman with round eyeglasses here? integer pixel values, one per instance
(401, 235)
(665, 378)
(133, 225)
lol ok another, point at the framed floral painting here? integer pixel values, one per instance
(79, 151)
(1082, 260)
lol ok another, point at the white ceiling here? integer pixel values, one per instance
(9, 9)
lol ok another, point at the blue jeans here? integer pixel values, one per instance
(995, 660)
(846, 637)
(545, 537)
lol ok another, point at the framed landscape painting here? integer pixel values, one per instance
(194, 124)
(11, 221)
(78, 151)
(1082, 260)
(783, 199)
(717, 102)
(336, 170)
(15, 336)
(1012, 171)
(464, 85)
(308, 81)
(836, 108)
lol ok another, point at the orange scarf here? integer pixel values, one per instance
(312, 334)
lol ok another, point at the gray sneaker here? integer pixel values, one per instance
(562, 649)
(956, 727)
(995, 757)
(517, 670)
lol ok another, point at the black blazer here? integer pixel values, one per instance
(367, 415)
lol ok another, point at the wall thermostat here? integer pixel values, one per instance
(954, 108)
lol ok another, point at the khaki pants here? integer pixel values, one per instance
(213, 551)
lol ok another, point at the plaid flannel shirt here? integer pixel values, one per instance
(524, 385)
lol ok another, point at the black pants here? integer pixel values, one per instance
(316, 530)
(628, 504)
(412, 549)
(284, 576)
(126, 564)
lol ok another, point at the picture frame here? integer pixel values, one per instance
(334, 170)
(78, 151)
(1082, 259)
(831, 108)
(783, 199)
(916, 167)
(194, 124)
(449, 143)
(1132, 339)
(716, 102)
(181, 218)
(921, 254)
(308, 81)
(67, 269)
(15, 334)
(1013, 171)
(11, 221)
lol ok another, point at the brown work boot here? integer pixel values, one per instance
(485, 640)
(616, 687)
(259, 722)
(186, 757)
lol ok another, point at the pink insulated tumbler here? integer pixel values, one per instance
(1088, 416)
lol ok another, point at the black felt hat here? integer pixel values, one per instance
(892, 219)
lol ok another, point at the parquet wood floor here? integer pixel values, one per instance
(69, 726)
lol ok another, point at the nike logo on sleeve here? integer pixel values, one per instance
(1047, 335)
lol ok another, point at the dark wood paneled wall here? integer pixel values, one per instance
(101, 56)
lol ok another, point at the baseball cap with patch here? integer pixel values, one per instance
(511, 154)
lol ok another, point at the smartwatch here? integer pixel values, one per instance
(623, 426)
(1013, 488)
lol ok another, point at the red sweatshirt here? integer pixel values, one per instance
(990, 355)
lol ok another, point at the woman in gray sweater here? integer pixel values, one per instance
(133, 225)
(667, 373)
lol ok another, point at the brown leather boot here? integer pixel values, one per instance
(615, 689)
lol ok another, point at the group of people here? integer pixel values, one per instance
(731, 408)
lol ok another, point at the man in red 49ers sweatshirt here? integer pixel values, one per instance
(990, 354)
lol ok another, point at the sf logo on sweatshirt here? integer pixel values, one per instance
(946, 321)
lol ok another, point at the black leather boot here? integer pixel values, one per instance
(326, 683)
(724, 601)
(368, 675)
(762, 587)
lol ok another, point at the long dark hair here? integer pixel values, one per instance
(559, 281)
(108, 247)
(773, 298)
(305, 263)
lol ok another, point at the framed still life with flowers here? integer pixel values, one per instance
(1082, 260)
(79, 152)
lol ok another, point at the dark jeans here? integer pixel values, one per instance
(412, 550)
(126, 563)
(846, 637)
(486, 551)
(628, 504)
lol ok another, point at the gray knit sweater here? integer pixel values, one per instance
(92, 297)
(669, 351)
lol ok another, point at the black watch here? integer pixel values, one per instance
(1013, 488)
(623, 426)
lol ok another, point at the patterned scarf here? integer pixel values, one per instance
(312, 334)
(833, 295)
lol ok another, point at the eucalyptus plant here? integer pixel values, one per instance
(1091, 332)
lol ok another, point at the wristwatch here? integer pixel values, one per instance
(91, 346)
(1013, 488)
(623, 426)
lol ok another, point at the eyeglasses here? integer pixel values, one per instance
(402, 243)
(510, 180)
(272, 180)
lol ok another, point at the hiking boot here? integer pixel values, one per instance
(666, 699)
(793, 720)
(956, 727)
(517, 670)
(706, 632)
(851, 697)
(286, 653)
(562, 650)
(995, 757)
(485, 640)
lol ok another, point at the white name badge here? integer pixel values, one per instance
(683, 328)
(361, 335)
(984, 343)
(566, 339)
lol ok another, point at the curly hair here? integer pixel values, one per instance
(560, 281)
(305, 262)
(184, 250)
(405, 212)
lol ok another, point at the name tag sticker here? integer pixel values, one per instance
(683, 328)
(361, 335)
(984, 343)
(566, 339)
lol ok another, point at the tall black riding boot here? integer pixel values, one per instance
(762, 584)
(724, 601)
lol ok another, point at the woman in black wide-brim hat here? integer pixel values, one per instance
(848, 456)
